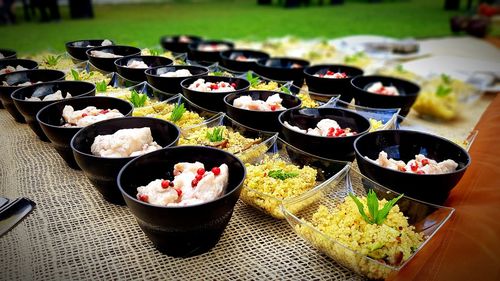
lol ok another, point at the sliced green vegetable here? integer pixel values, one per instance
(285, 90)
(138, 100)
(254, 80)
(51, 60)
(101, 87)
(177, 113)
(216, 134)
(75, 74)
(443, 91)
(282, 175)
(376, 216)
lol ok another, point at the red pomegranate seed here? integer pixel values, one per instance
(273, 107)
(216, 171)
(84, 115)
(200, 171)
(339, 132)
(425, 161)
(402, 169)
(414, 167)
(330, 133)
(233, 85)
(344, 75)
(171, 184)
(420, 172)
(179, 192)
(194, 183)
(143, 198)
(165, 184)
(198, 177)
(329, 72)
(104, 111)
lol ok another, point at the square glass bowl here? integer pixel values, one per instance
(424, 217)
(267, 194)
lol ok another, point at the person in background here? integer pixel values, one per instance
(7, 15)
(53, 9)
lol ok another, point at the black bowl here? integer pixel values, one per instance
(8, 54)
(18, 77)
(78, 49)
(137, 74)
(172, 85)
(28, 64)
(212, 100)
(102, 171)
(338, 148)
(283, 69)
(404, 145)
(208, 56)
(260, 120)
(331, 86)
(230, 61)
(173, 44)
(408, 93)
(108, 64)
(181, 231)
(50, 120)
(29, 109)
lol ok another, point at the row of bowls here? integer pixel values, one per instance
(273, 68)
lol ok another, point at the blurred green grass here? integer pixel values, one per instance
(143, 24)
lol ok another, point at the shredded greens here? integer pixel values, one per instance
(282, 175)
(138, 100)
(215, 135)
(177, 113)
(376, 216)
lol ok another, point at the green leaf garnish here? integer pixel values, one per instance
(101, 87)
(215, 135)
(76, 75)
(155, 52)
(443, 91)
(177, 113)
(400, 68)
(282, 175)
(354, 57)
(52, 60)
(217, 73)
(285, 90)
(254, 80)
(376, 216)
(446, 78)
(138, 100)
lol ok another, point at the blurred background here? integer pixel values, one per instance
(34, 25)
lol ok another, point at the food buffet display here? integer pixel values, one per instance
(324, 141)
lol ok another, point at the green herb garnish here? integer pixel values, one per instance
(101, 87)
(446, 79)
(354, 57)
(217, 73)
(443, 91)
(76, 75)
(177, 113)
(400, 68)
(155, 52)
(285, 90)
(52, 60)
(376, 216)
(216, 134)
(254, 80)
(138, 100)
(282, 175)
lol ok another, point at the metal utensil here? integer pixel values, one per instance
(12, 213)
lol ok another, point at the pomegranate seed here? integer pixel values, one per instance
(339, 132)
(165, 184)
(194, 183)
(179, 192)
(171, 184)
(143, 198)
(84, 115)
(273, 107)
(233, 85)
(198, 177)
(344, 75)
(200, 171)
(321, 75)
(329, 72)
(402, 169)
(414, 167)
(330, 133)
(223, 85)
(104, 111)
(420, 172)
(216, 171)
(425, 162)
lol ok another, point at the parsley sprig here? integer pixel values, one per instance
(138, 100)
(177, 113)
(216, 134)
(282, 175)
(376, 216)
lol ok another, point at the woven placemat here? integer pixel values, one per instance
(73, 234)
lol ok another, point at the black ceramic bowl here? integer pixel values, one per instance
(338, 148)
(178, 43)
(19, 77)
(199, 55)
(102, 171)
(28, 64)
(404, 145)
(78, 49)
(8, 54)
(260, 120)
(242, 60)
(181, 231)
(408, 93)
(172, 85)
(283, 69)
(50, 120)
(212, 100)
(108, 64)
(29, 109)
(137, 74)
(331, 86)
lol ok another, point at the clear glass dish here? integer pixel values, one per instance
(257, 195)
(426, 218)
